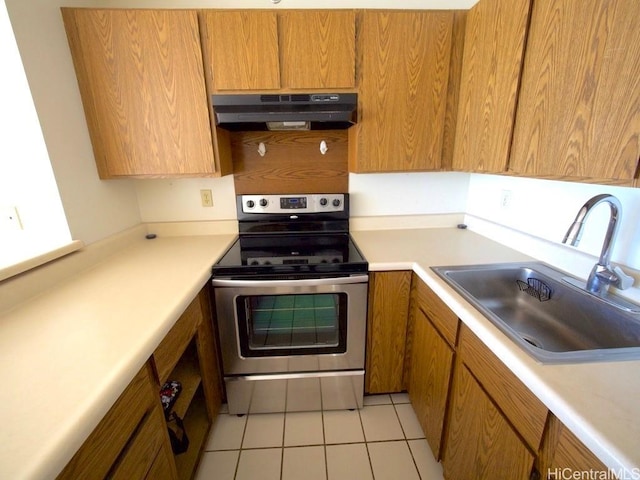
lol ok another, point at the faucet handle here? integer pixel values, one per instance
(624, 281)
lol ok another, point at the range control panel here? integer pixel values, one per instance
(316, 203)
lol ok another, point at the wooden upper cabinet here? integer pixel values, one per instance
(493, 51)
(579, 107)
(241, 49)
(403, 71)
(318, 49)
(287, 50)
(142, 84)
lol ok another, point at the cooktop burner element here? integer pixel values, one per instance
(292, 236)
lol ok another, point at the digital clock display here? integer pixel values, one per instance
(291, 203)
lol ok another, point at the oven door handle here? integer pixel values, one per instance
(311, 282)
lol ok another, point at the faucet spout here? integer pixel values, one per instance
(602, 275)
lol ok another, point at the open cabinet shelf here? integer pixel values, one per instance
(197, 425)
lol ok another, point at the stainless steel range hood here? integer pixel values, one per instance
(314, 111)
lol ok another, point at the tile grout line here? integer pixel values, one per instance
(366, 444)
(244, 431)
(324, 444)
(406, 440)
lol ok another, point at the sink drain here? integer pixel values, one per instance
(531, 341)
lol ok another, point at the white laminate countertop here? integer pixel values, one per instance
(67, 353)
(599, 402)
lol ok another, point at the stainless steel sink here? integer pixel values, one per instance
(551, 319)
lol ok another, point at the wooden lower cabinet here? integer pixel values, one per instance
(150, 441)
(187, 354)
(431, 347)
(479, 419)
(388, 311)
(128, 439)
(132, 441)
(496, 424)
(562, 452)
(481, 443)
(432, 363)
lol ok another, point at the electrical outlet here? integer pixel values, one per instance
(206, 198)
(505, 199)
(9, 219)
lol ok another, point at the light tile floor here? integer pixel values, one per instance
(382, 441)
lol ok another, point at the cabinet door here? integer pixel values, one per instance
(481, 444)
(562, 450)
(494, 47)
(432, 362)
(318, 49)
(387, 330)
(142, 83)
(241, 49)
(403, 75)
(578, 112)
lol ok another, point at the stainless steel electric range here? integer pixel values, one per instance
(291, 306)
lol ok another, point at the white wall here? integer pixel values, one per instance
(545, 209)
(94, 209)
(179, 200)
(371, 195)
(407, 193)
(26, 178)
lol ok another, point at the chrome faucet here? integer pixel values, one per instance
(602, 275)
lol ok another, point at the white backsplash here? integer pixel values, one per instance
(178, 200)
(383, 194)
(545, 209)
(534, 220)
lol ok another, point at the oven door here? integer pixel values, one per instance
(280, 326)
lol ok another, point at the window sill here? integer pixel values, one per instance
(21, 267)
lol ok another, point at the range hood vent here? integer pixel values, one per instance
(314, 111)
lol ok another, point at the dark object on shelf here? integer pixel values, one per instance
(168, 395)
(177, 434)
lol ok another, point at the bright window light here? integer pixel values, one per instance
(32, 219)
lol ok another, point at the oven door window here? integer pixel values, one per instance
(300, 324)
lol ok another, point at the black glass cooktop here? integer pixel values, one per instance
(285, 256)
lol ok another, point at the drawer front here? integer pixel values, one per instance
(174, 344)
(442, 317)
(163, 467)
(523, 409)
(97, 455)
(142, 449)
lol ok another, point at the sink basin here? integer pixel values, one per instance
(539, 309)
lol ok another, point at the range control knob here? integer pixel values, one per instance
(336, 202)
(251, 204)
(263, 202)
(323, 202)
